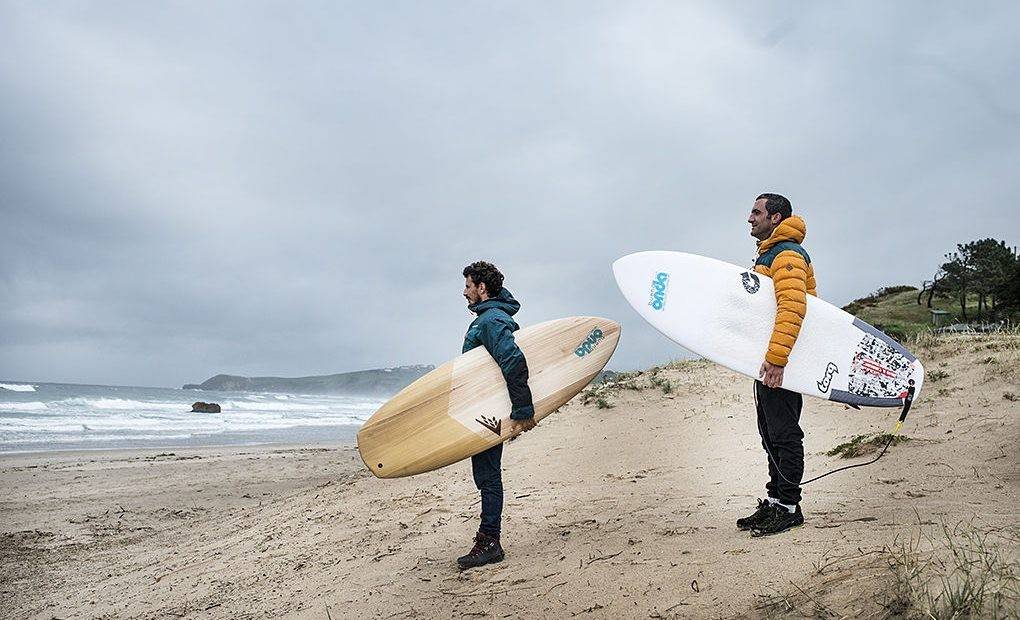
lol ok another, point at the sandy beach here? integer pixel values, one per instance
(622, 507)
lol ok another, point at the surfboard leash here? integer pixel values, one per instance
(907, 402)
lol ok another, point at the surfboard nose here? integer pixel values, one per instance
(630, 262)
(607, 329)
(603, 321)
(643, 279)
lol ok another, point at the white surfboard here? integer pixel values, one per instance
(725, 313)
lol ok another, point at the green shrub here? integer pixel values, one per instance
(860, 445)
(937, 375)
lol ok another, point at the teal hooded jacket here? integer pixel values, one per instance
(494, 329)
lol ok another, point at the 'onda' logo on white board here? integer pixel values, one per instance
(659, 286)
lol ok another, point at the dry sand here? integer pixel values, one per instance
(621, 512)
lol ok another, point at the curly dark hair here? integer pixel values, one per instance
(775, 203)
(482, 271)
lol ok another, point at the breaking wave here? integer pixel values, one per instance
(126, 417)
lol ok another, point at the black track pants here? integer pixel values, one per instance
(782, 438)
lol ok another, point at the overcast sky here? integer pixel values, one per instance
(191, 188)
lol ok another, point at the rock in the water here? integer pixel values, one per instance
(205, 407)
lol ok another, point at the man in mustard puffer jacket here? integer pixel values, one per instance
(782, 258)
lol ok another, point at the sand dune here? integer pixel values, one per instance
(618, 512)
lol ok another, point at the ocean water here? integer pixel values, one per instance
(58, 416)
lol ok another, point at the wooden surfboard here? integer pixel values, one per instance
(463, 408)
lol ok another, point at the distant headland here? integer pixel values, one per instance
(376, 382)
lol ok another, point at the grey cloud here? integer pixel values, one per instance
(197, 188)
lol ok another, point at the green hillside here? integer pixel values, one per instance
(895, 311)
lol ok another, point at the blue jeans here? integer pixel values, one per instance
(489, 480)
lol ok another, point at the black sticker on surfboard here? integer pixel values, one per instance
(492, 424)
(750, 281)
(878, 370)
(830, 371)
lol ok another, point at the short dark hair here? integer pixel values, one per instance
(482, 271)
(774, 203)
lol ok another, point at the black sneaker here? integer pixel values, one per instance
(780, 521)
(764, 512)
(485, 551)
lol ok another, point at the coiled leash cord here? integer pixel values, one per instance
(896, 429)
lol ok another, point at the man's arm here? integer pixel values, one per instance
(789, 275)
(498, 339)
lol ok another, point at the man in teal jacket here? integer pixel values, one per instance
(494, 329)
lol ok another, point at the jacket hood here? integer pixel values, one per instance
(792, 229)
(503, 301)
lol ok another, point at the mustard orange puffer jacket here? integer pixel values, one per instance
(782, 258)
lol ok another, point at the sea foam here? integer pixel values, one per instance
(32, 406)
(70, 416)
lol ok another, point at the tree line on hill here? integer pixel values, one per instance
(986, 270)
